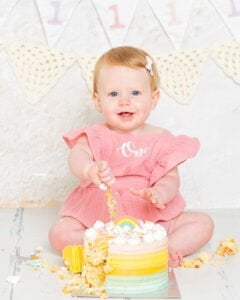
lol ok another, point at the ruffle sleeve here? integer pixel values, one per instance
(93, 135)
(179, 148)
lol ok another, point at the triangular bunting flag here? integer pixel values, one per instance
(115, 17)
(196, 31)
(87, 66)
(230, 13)
(173, 15)
(227, 56)
(38, 68)
(54, 16)
(179, 73)
(6, 7)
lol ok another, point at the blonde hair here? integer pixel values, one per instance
(127, 56)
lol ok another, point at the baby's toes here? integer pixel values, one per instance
(175, 258)
(180, 257)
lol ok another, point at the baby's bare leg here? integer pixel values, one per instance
(188, 233)
(67, 231)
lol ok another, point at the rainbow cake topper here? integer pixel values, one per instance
(127, 221)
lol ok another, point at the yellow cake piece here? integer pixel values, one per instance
(228, 246)
(197, 261)
(95, 256)
(204, 257)
(191, 263)
(73, 258)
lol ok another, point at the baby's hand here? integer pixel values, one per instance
(150, 194)
(99, 172)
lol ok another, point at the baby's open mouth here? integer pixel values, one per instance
(125, 114)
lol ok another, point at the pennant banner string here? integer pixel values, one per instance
(38, 68)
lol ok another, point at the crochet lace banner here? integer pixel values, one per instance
(87, 64)
(227, 56)
(179, 73)
(38, 68)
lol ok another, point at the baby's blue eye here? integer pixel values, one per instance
(136, 93)
(113, 94)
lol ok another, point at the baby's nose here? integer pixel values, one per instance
(124, 100)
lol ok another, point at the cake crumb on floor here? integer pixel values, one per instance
(226, 247)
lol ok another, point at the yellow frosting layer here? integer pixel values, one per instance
(138, 258)
(137, 272)
(141, 264)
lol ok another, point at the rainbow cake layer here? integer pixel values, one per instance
(136, 260)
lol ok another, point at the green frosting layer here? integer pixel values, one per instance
(137, 286)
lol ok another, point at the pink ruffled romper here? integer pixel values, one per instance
(137, 162)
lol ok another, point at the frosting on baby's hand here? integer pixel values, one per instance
(102, 186)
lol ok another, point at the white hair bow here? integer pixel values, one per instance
(148, 65)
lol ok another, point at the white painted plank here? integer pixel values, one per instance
(10, 224)
(227, 223)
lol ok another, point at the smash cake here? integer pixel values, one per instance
(126, 258)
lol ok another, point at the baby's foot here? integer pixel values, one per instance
(175, 258)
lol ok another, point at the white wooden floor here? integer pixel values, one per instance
(24, 229)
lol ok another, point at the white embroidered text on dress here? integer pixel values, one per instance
(129, 149)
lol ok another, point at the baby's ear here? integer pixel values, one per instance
(155, 98)
(97, 102)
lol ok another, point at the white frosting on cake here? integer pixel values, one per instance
(98, 225)
(144, 233)
(120, 240)
(91, 233)
(148, 238)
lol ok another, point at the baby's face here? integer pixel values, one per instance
(124, 97)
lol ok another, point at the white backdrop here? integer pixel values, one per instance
(33, 157)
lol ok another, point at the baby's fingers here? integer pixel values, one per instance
(148, 195)
(105, 173)
(108, 180)
(96, 180)
(139, 193)
(144, 193)
(103, 166)
(160, 205)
